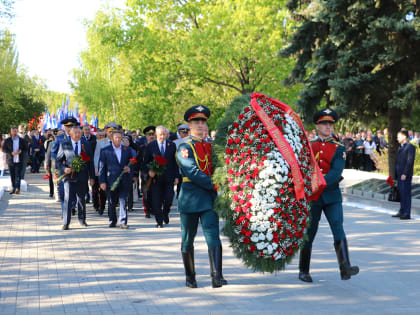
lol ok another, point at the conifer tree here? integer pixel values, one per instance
(361, 57)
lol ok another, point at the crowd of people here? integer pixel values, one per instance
(116, 167)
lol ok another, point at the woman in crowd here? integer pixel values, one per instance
(3, 164)
(369, 156)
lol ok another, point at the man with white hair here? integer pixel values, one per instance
(161, 186)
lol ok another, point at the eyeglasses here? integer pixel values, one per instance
(183, 130)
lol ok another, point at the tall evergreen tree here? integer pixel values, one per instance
(362, 57)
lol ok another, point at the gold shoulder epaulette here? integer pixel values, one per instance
(339, 143)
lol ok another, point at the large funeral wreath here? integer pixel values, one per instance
(266, 191)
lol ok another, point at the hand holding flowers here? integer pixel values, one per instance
(126, 169)
(77, 165)
(156, 168)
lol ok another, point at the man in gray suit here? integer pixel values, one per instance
(75, 182)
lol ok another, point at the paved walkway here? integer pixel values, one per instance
(98, 270)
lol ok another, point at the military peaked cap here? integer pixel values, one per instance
(69, 121)
(326, 115)
(112, 126)
(197, 112)
(149, 128)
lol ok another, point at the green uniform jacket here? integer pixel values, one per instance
(197, 192)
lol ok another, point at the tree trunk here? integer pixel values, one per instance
(114, 109)
(394, 125)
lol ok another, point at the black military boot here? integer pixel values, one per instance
(215, 259)
(304, 263)
(188, 259)
(346, 270)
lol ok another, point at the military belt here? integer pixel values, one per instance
(186, 179)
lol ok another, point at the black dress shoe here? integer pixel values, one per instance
(305, 277)
(65, 227)
(51, 196)
(405, 217)
(73, 211)
(83, 223)
(397, 215)
(166, 219)
(12, 192)
(112, 225)
(124, 226)
(147, 216)
(101, 211)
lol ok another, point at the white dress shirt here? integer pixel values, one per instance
(15, 148)
(117, 152)
(79, 147)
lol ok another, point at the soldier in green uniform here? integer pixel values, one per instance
(197, 196)
(330, 156)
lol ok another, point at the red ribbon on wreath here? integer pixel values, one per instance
(318, 183)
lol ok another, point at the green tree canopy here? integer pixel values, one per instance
(174, 54)
(362, 57)
(20, 95)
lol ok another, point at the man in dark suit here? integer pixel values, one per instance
(15, 148)
(162, 186)
(114, 160)
(149, 133)
(87, 136)
(68, 123)
(75, 182)
(404, 173)
(37, 151)
(28, 140)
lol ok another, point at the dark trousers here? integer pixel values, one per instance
(15, 170)
(98, 195)
(349, 159)
(24, 164)
(334, 214)
(210, 224)
(130, 197)
(51, 183)
(115, 197)
(74, 192)
(404, 186)
(147, 198)
(36, 161)
(162, 196)
(369, 165)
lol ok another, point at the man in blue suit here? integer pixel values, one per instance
(37, 151)
(114, 160)
(68, 124)
(404, 173)
(162, 186)
(75, 182)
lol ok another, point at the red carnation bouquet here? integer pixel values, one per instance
(132, 161)
(158, 166)
(76, 165)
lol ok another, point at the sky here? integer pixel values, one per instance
(50, 35)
